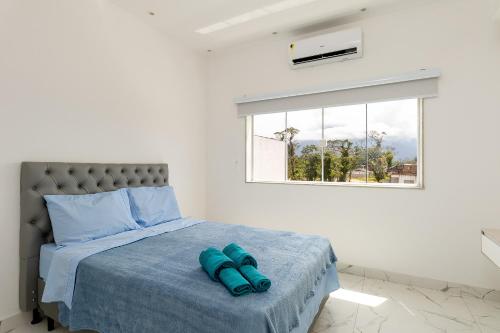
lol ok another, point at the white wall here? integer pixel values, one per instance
(433, 232)
(84, 81)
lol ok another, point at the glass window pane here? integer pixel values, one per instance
(393, 141)
(267, 125)
(345, 151)
(303, 135)
(269, 151)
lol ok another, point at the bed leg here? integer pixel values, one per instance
(50, 324)
(37, 317)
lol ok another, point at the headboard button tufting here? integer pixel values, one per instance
(47, 172)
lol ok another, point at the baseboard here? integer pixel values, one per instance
(10, 323)
(454, 288)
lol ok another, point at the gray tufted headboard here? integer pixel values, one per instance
(40, 178)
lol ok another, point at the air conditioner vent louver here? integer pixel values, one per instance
(328, 55)
(336, 46)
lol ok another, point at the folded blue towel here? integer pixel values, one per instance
(247, 265)
(258, 281)
(220, 268)
(213, 261)
(239, 255)
(234, 282)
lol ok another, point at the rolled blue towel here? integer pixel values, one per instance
(258, 281)
(234, 282)
(220, 268)
(247, 265)
(213, 261)
(239, 255)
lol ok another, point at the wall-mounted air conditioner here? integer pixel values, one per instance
(330, 47)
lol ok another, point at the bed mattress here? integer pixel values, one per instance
(47, 252)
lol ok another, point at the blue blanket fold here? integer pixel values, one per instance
(156, 285)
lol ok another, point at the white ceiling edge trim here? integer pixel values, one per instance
(421, 74)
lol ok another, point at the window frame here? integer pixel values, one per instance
(249, 157)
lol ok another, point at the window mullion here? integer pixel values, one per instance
(286, 147)
(322, 144)
(252, 136)
(366, 142)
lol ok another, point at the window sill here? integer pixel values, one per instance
(337, 184)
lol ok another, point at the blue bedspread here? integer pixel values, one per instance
(60, 281)
(157, 284)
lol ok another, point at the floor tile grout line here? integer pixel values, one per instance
(357, 307)
(476, 321)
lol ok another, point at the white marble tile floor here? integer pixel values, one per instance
(408, 309)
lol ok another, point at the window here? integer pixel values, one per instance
(376, 144)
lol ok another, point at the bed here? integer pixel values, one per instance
(155, 283)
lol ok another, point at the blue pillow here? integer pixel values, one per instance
(80, 218)
(153, 205)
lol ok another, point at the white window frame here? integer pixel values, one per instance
(419, 184)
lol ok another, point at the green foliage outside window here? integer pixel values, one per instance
(341, 159)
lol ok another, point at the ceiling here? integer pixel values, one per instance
(181, 18)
